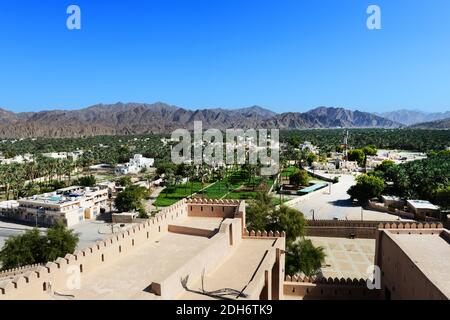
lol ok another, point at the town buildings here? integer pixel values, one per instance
(135, 165)
(69, 206)
(308, 146)
(19, 159)
(74, 155)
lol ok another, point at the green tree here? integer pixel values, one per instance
(68, 168)
(303, 257)
(58, 242)
(366, 188)
(131, 199)
(86, 181)
(357, 155)
(299, 178)
(258, 212)
(442, 197)
(125, 181)
(310, 158)
(263, 215)
(289, 220)
(32, 247)
(22, 250)
(385, 166)
(370, 150)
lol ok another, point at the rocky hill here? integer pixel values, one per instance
(411, 117)
(121, 118)
(440, 124)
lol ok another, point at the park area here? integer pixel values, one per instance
(237, 185)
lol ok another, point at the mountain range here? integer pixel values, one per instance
(439, 124)
(412, 117)
(138, 118)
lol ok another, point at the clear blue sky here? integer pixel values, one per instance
(287, 55)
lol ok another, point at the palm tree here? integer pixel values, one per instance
(15, 179)
(59, 169)
(9, 174)
(68, 167)
(303, 257)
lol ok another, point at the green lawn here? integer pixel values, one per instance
(222, 189)
(277, 201)
(242, 195)
(287, 172)
(166, 199)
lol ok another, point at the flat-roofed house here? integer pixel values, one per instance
(422, 208)
(135, 165)
(415, 262)
(70, 205)
(393, 201)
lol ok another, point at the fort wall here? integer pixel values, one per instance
(329, 289)
(357, 229)
(54, 276)
(402, 277)
(43, 281)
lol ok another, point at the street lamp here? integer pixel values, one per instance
(362, 211)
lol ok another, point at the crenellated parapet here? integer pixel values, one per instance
(207, 201)
(263, 234)
(36, 276)
(410, 225)
(328, 281)
(15, 271)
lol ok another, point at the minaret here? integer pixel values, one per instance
(346, 145)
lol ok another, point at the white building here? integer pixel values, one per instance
(309, 147)
(422, 208)
(17, 159)
(70, 205)
(135, 165)
(64, 155)
(8, 206)
(55, 155)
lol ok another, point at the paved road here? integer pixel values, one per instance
(149, 207)
(6, 233)
(328, 206)
(92, 231)
(8, 229)
(338, 204)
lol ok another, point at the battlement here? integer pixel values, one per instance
(359, 229)
(225, 208)
(263, 234)
(226, 242)
(37, 277)
(305, 288)
(213, 201)
(330, 281)
(15, 271)
(408, 225)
